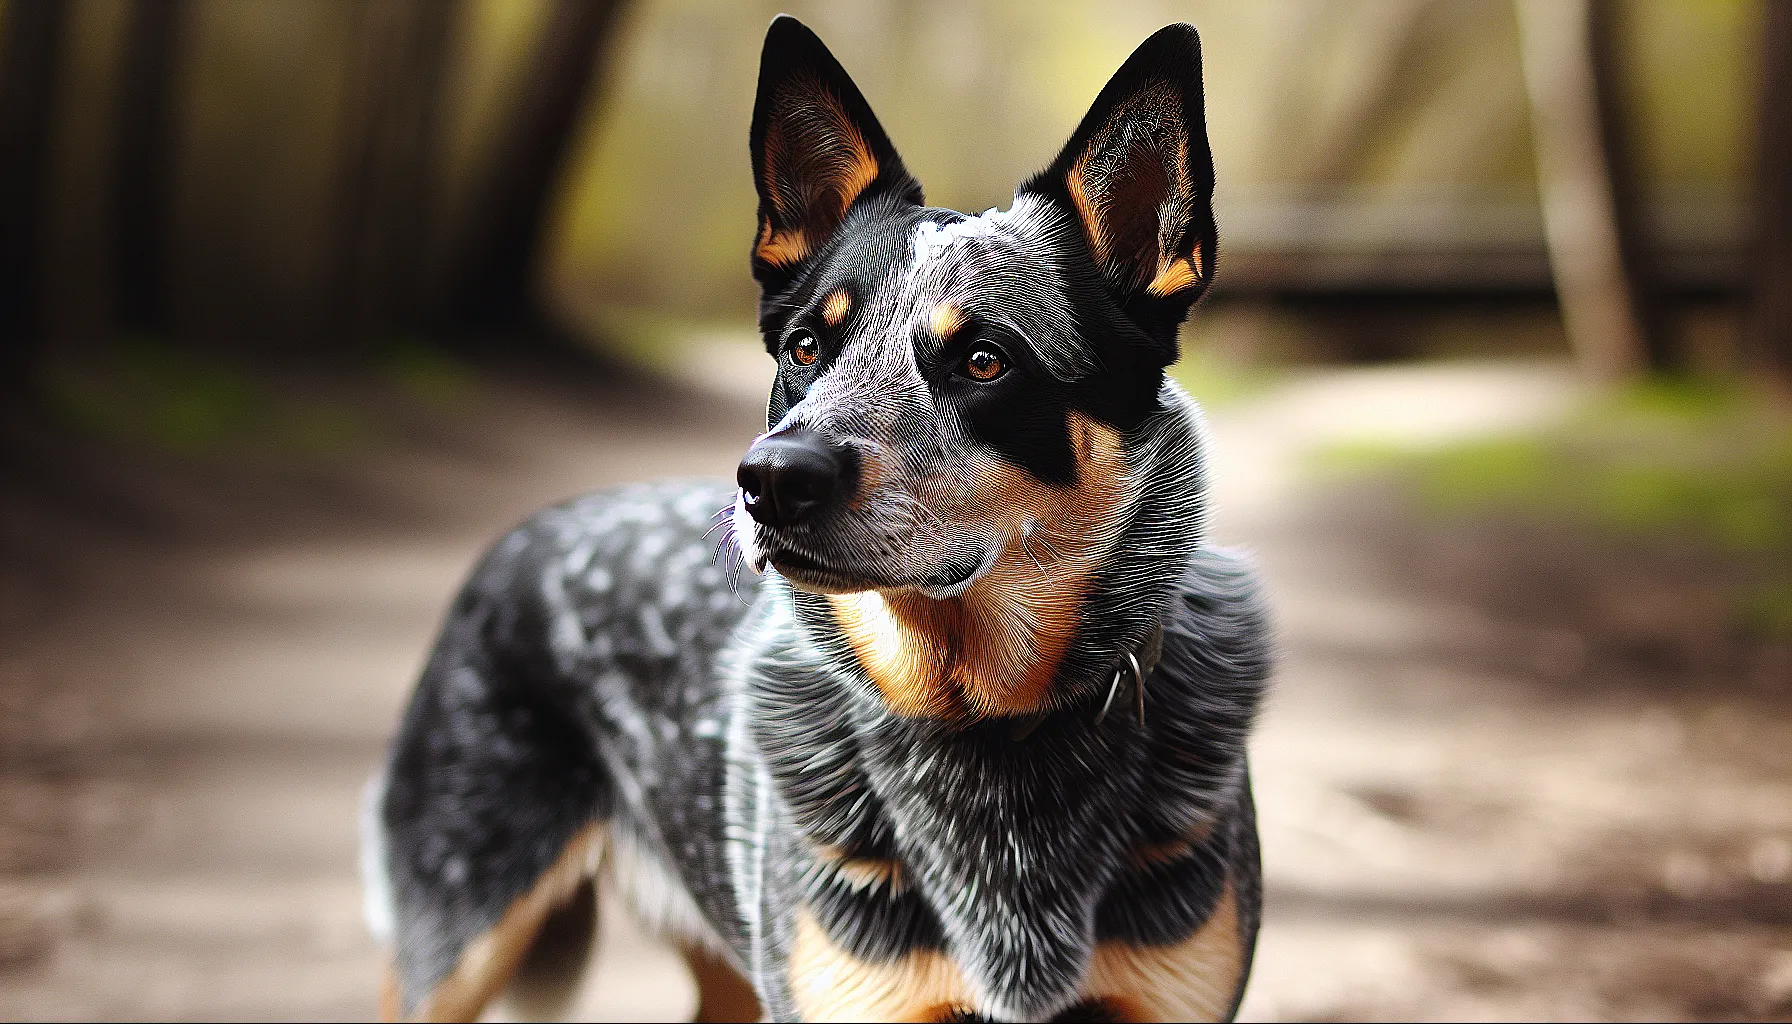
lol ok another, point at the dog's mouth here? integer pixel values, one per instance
(827, 572)
(809, 573)
(953, 579)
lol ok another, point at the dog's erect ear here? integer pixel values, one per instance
(1138, 178)
(817, 149)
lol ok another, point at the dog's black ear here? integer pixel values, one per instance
(817, 150)
(1138, 177)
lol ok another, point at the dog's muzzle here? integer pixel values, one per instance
(793, 475)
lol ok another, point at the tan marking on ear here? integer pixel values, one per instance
(1095, 183)
(828, 983)
(945, 320)
(861, 170)
(488, 962)
(781, 248)
(1088, 211)
(995, 649)
(1173, 277)
(1195, 979)
(835, 307)
(861, 872)
(831, 166)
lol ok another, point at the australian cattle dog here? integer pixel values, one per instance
(968, 743)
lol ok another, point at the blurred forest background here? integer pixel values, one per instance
(303, 302)
(325, 179)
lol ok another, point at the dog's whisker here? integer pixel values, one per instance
(726, 539)
(730, 562)
(736, 562)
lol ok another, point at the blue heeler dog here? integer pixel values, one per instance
(971, 745)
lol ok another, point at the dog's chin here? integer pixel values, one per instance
(946, 582)
(807, 574)
(821, 581)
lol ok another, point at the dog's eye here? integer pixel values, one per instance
(804, 349)
(985, 363)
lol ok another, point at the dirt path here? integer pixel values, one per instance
(1451, 828)
(1472, 808)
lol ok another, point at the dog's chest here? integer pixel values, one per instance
(928, 868)
(1015, 921)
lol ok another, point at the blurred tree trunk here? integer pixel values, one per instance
(1588, 252)
(490, 277)
(1769, 341)
(1659, 352)
(30, 51)
(379, 263)
(142, 168)
(389, 186)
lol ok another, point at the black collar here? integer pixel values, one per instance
(1130, 672)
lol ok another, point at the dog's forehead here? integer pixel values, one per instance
(956, 257)
(948, 243)
(1001, 268)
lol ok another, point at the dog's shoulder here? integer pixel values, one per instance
(1222, 618)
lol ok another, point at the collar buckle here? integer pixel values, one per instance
(1138, 683)
(1138, 664)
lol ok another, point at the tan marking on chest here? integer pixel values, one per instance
(1196, 979)
(995, 649)
(828, 983)
(861, 872)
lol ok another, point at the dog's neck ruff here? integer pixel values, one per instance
(1130, 673)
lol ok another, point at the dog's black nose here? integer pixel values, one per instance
(789, 476)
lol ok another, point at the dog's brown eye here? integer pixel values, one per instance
(984, 364)
(804, 349)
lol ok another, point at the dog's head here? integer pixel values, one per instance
(952, 389)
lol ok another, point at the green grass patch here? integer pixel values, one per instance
(1693, 458)
(1767, 608)
(427, 375)
(1216, 380)
(1664, 455)
(145, 392)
